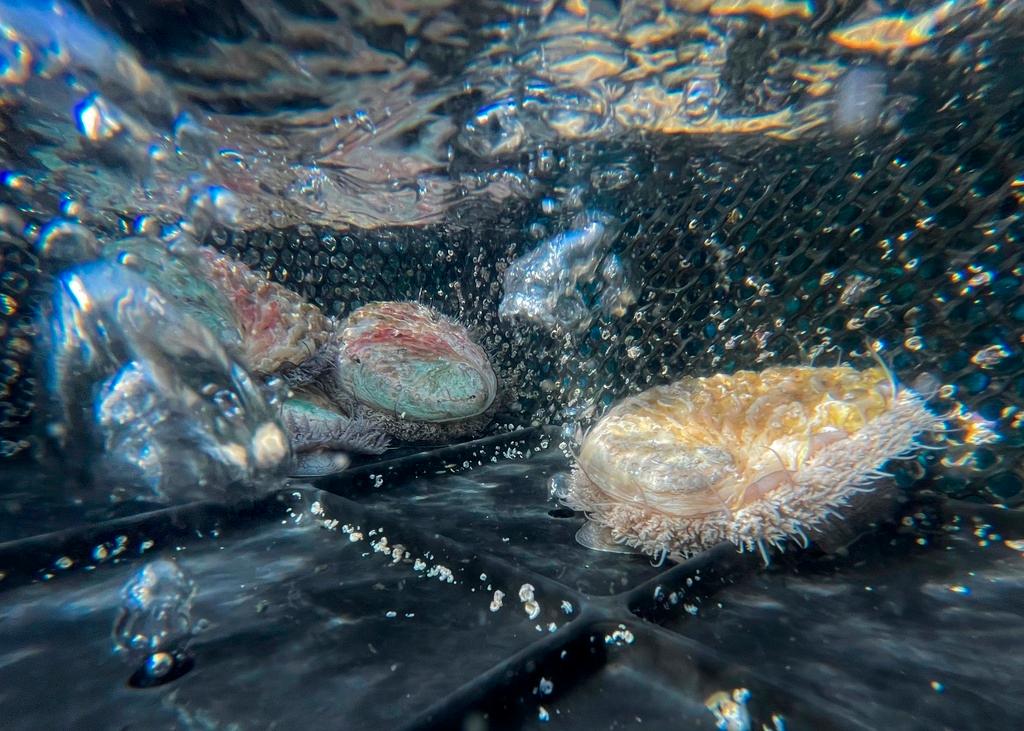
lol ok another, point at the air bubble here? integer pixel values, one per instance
(154, 626)
(98, 120)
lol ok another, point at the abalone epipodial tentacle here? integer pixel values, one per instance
(313, 427)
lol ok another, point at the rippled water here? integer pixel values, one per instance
(389, 113)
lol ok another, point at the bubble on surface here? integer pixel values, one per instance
(730, 709)
(97, 120)
(154, 626)
(558, 485)
(859, 100)
(548, 285)
(67, 242)
(496, 600)
(211, 205)
(494, 131)
(173, 408)
(620, 636)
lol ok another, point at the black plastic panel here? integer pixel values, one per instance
(306, 621)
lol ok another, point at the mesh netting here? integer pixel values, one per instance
(796, 255)
(745, 252)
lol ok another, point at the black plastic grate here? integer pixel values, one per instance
(304, 625)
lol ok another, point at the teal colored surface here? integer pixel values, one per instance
(422, 390)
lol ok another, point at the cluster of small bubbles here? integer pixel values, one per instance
(354, 534)
(114, 135)
(19, 276)
(731, 712)
(620, 636)
(730, 709)
(548, 285)
(496, 600)
(530, 604)
(571, 431)
(207, 206)
(398, 553)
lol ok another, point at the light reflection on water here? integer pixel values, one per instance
(307, 120)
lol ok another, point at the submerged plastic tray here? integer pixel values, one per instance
(306, 619)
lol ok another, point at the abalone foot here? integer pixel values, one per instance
(599, 537)
(319, 464)
(408, 431)
(313, 428)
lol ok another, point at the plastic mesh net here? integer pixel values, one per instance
(744, 250)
